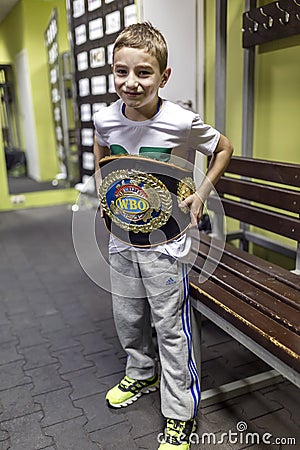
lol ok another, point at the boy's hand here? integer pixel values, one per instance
(195, 204)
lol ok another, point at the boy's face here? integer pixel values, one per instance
(137, 79)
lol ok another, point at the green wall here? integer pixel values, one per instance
(277, 95)
(277, 118)
(11, 42)
(277, 88)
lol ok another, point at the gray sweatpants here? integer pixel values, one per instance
(150, 284)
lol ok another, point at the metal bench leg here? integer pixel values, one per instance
(235, 388)
(240, 387)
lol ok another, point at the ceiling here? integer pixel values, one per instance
(5, 7)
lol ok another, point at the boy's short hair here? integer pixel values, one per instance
(144, 36)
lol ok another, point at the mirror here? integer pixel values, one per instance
(18, 121)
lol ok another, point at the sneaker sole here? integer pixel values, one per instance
(194, 426)
(146, 390)
(193, 431)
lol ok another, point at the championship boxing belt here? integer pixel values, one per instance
(140, 197)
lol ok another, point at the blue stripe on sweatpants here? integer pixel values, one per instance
(186, 323)
(188, 319)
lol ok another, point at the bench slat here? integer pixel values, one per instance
(272, 270)
(266, 195)
(277, 172)
(256, 280)
(255, 324)
(253, 275)
(271, 221)
(253, 261)
(247, 292)
(283, 275)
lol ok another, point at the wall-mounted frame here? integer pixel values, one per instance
(60, 79)
(51, 42)
(94, 26)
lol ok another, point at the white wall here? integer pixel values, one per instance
(181, 22)
(27, 114)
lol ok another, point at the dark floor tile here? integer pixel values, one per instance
(5, 445)
(118, 350)
(218, 372)
(60, 339)
(98, 305)
(37, 356)
(57, 407)
(29, 281)
(6, 334)
(43, 308)
(30, 337)
(12, 375)
(212, 335)
(98, 414)
(72, 359)
(84, 383)
(25, 432)
(16, 304)
(144, 417)
(46, 379)
(4, 436)
(106, 363)
(81, 324)
(9, 353)
(107, 327)
(71, 311)
(279, 424)
(150, 441)
(17, 402)
(285, 395)
(4, 320)
(22, 320)
(71, 435)
(116, 437)
(51, 323)
(94, 343)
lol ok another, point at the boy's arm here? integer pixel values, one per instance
(217, 167)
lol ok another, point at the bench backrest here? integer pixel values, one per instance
(263, 193)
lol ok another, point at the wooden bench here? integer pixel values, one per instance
(255, 301)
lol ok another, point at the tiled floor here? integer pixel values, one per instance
(59, 354)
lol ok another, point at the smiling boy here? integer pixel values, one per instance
(141, 122)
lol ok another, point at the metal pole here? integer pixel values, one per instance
(220, 87)
(248, 112)
(248, 94)
(220, 72)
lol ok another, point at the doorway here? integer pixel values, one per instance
(185, 38)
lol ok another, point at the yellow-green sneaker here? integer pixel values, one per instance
(129, 390)
(177, 434)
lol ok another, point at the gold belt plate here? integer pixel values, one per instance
(135, 201)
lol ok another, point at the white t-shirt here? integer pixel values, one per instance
(171, 128)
